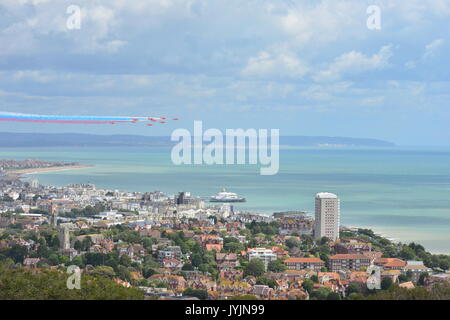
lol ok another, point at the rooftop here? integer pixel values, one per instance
(326, 195)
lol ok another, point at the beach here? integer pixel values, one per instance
(48, 169)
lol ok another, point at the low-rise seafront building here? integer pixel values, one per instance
(345, 262)
(304, 264)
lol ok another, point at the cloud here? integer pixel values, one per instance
(354, 62)
(432, 48)
(267, 65)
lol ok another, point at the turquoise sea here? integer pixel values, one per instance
(402, 193)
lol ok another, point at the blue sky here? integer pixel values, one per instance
(305, 67)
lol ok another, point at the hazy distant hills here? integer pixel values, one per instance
(8, 139)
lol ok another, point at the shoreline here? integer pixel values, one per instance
(49, 169)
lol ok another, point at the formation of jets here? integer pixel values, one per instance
(21, 117)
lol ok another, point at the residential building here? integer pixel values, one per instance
(327, 216)
(390, 263)
(265, 255)
(348, 262)
(417, 268)
(304, 264)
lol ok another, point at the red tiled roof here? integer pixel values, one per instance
(391, 262)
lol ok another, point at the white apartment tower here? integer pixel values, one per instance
(327, 216)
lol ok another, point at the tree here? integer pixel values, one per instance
(254, 268)
(198, 293)
(333, 296)
(125, 260)
(244, 297)
(54, 259)
(276, 266)
(292, 243)
(386, 283)
(321, 293)
(187, 267)
(23, 284)
(308, 285)
(78, 245)
(407, 253)
(355, 296)
(86, 243)
(103, 271)
(437, 292)
(17, 253)
(263, 280)
(423, 276)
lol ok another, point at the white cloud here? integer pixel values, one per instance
(432, 48)
(354, 62)
(278, 65)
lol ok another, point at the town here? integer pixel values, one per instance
(165, 247)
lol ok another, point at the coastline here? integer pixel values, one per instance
(49, 169)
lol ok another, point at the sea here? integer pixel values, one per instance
(402, 193)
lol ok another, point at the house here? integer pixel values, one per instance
(390, 263)
(357, 276)
(172, 264)
(392, 274)
(304, 264)
(301, 224)
(169, 252)
(352, 247)
(280, 252)
(263, 291)
(438, 278)
(175, 283)
(31, 262)
(214, 246)
(348, 262)
(265, 255)
(231, 274)
(416, 268)
(227, 260)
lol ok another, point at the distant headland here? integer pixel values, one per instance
(10, 139)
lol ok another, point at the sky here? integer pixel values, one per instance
(310, 67)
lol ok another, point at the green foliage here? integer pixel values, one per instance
(187, 267)
(244, 297)
(254, 268)
(17, 253)
(263, 280)
(355, 287)
(198, 293)
(437, 292)
(276, 266)
(292, 243)
(21, 284)
(423, 276)
(321, 293)
(308, 286)
(333, 296)
(231, 244)
(88, 211)
(386, 283)
(263, 227)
